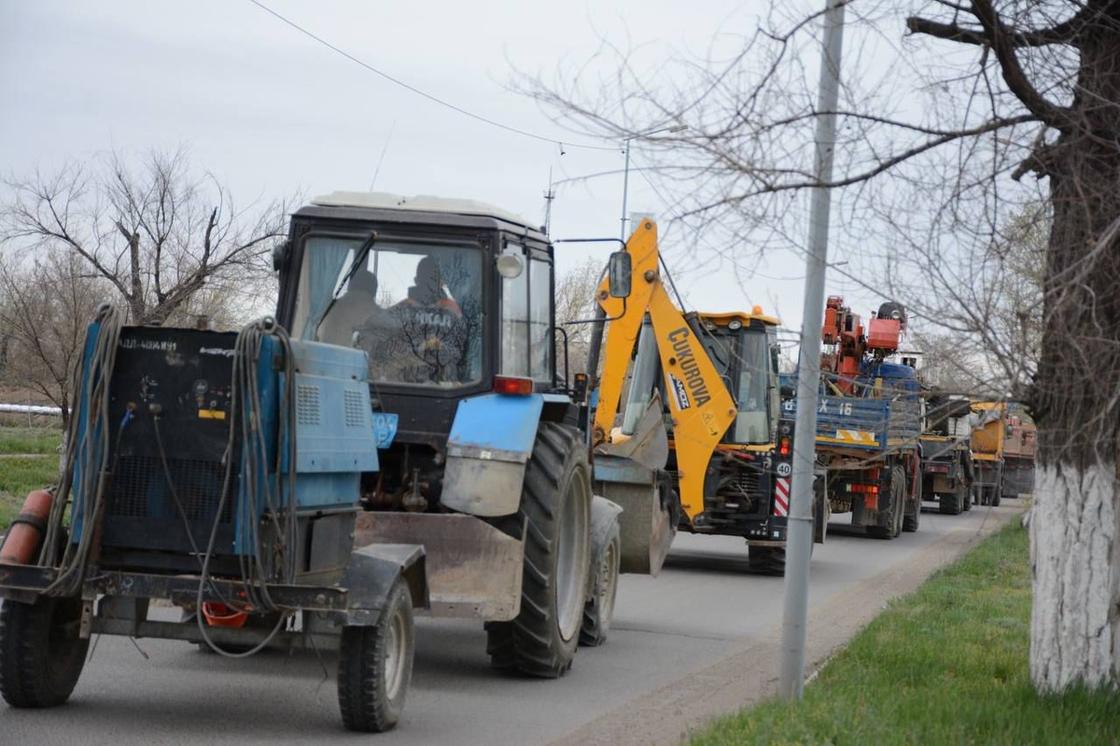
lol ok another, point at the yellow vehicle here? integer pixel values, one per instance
(987, 445)
(727, 471)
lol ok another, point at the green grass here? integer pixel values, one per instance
(944, 665)
(29, 439)
(18, 476)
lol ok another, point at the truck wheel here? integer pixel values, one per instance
(555, 516)
(895, 512)
(375, 666)
(996, 496)
(41, 655)
(946, 503)
(966, 496)
(910, 523)
(599, 609)
(767, 560)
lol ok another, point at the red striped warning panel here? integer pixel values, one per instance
(781, 496)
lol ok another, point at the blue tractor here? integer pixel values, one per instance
(490, 470)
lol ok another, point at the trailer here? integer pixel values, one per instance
(1019, 449)
(986, 442)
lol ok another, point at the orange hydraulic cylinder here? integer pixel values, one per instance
(27, 529)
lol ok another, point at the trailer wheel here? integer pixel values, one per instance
(599, 609)
(897, 509)
(41, 655)
(952, 503)
(996, 496)
(555, 516)
(375, 666)
(910, 522)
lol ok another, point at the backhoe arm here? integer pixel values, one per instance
(701, 408)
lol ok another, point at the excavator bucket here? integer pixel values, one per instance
(645, 528)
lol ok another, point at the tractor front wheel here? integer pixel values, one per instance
(554, 521)
(599, 609)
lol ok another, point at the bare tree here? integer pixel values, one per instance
(938, 130)
(44, 309)
(167, 242)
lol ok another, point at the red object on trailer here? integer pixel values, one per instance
(22, 541)
(883, 334)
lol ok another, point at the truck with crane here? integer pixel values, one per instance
(868, 421)
(711, 380)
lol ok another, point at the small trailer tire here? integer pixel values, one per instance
(41, 654)
(375, 666)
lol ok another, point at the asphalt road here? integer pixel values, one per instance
(703, 605)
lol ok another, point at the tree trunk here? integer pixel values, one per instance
(1075, 526)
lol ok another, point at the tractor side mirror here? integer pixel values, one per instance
(280, 254)
(618, 274)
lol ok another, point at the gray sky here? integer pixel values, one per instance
(270, 112)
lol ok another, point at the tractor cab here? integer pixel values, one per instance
(446, 296)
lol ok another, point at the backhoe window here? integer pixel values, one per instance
(415, 308)
(753, 389)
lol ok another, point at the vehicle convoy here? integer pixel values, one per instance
(868, 421)
(219, 471)
(947, 469)
(489, 469)
(1020, 445)
(714, 378)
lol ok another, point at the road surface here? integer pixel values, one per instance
(703, 608)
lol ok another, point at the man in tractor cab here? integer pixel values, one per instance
(432, 336)
(352, 311)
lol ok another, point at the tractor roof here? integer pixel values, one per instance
(383, 205)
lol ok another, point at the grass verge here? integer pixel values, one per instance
(944, 665)
(18, 476)
(43, 440)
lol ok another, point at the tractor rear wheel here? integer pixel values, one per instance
(375, 666)
(555, 516)
(599, 609)
(41, 654)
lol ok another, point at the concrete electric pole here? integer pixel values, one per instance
(800, 538)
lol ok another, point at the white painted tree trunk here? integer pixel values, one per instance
(1075, 558)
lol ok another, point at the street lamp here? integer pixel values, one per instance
(626, 168)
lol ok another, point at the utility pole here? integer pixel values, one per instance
(800, 536)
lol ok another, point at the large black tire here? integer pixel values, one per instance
(967, 497)
(375, 666)
(599, 609)
(997, 494)
(764, 560)
(896, 510)
(41, 655)
(555, 514)
(911, 521)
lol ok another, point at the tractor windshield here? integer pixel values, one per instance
(414, 307)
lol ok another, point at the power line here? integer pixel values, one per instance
(435, 99)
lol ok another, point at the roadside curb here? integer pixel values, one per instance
(748, 673)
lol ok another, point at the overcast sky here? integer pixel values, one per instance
(271, 112)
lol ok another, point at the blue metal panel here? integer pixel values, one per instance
(334, 424)
(504, 425)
